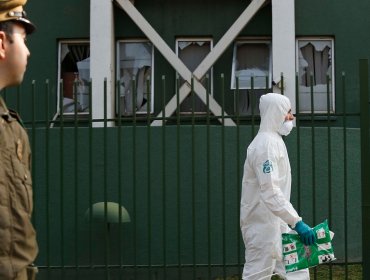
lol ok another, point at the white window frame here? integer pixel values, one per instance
(267, 41)
(198, 39)
(311, 38)
(59, 72)
(151, 78)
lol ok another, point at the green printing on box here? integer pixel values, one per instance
(298, 256)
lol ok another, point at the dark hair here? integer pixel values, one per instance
(7, 28)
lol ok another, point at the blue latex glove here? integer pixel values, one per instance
(306, 233)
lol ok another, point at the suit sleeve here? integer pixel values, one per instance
(270, 178)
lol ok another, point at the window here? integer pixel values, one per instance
(315, 64)
(251, 59)
(135, 76)
(192, 52)
(74, 69)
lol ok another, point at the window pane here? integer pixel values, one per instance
(75, 72)
(247, 102)
(135, 76)
(192, 54)
(314, 68)
(251, 60)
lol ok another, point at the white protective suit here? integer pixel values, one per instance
(265, 211)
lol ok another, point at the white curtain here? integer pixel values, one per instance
(315, 59)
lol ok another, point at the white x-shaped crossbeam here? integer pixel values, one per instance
(202, 68)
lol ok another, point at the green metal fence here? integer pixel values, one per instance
(135, 201)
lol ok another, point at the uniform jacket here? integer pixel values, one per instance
(18, 246)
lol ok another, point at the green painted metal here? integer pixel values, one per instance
(238, 171)
(253, 111)
(76, 187)
(178, 180)
(47, 176)
(329, 155)
(150, 271)
(61, 149)
(364, 90)
(119, 157)
(313, 156)
(282, 83)
(193, 214)
(208, 153)
(105, 181)
(164, 184)
(90, 175)
(345, 177)
(134, 172)
(223, 175)
(298, 138)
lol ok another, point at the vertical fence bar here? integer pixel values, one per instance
(76, 200)
(328, 112)
(266, 82)
(164, 177)
(223, 189)
(364, 98)
(344, 100)
(76, 165)
(178, 198)
(313, 154)
(148, 89)
(253, 102)
(105, 184)
(90, 174)
(61, 112)
(134, 131)
(193, 176)
(238, 181)
(297, 120)
(119, 163)
(47, 177)
(282, 83)
(208, 156)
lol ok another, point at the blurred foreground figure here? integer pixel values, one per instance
(18, 246)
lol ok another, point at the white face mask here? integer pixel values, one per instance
(286, 128)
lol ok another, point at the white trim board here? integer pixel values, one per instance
(203, 67)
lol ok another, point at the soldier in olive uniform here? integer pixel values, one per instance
(18, 246)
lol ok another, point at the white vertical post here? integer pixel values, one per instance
(283, 46)
(102, 57)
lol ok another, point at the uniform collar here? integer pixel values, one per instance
(5, 113)
(3, 109)
(9, 115)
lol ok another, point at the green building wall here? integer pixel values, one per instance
(346, 23)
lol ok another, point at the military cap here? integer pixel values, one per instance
(12, 10)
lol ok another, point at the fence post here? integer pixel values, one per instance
(364, 98)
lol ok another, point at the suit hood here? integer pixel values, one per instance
(273, 109)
